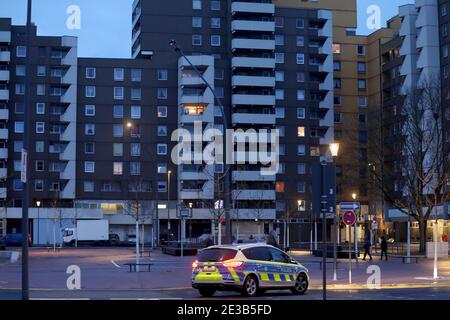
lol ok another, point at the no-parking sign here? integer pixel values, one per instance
(349, 218)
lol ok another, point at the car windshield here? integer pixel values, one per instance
(216, 254)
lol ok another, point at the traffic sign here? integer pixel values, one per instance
(185, 212)
(349, 218)
(350, 206)
(221, 220)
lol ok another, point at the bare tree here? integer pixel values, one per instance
(414, 179)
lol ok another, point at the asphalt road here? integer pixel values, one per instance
(440, 293)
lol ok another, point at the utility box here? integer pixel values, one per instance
(442, 250)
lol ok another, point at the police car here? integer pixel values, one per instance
(247, 268)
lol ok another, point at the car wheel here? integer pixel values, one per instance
(301, 284)
(206, 292)
(250, 288)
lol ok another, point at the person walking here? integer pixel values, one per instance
(367, 245)
(384, 247)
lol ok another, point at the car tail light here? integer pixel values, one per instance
(195, 264)
(232, 264)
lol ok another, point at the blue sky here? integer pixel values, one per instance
(105, 24)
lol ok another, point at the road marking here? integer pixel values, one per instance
(60, 299)
(115, 264)
(143, 299)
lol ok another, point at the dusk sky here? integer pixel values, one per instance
(105, 24)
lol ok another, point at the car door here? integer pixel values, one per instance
(284, 270)
(259, 260)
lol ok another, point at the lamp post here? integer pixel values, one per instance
(355, 228)
(334, 150)
(168, 200)
(190, 220)
(226, 175)
(38, 204)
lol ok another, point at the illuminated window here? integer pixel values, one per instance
(279, 186)
(336, 48)
(300, 131)
(118, 168)
(194, 110)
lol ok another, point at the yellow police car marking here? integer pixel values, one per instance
(233, 274)
(277, 277)
(202, 276)
(288, 278)
(264, 276)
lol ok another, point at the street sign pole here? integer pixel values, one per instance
(349, 254)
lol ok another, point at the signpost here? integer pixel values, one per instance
(349, 219)
(183, 214)
(356, 208)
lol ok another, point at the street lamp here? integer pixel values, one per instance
(334, 150)
(38, 204)
(168, 200)
(355, 227)
(191, 205)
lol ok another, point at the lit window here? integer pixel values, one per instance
(279, 186)
(301, 205)
(300, 131)
(162, 112)
(336, 48)
(279, 40)
(117, 168)
(279, 94)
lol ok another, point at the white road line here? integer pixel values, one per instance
(115, 264)
(60, 299)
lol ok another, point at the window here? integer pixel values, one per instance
(117, 168)
(361, 67)
(89, 129)
(300, 77)
(300, 132)
(89, 148)
(118, 130)
(361, 50)
(89, 166)
(118, 149)
(21, 51)
(301, 168)
(118, 93)
(337, 100)
(19, 127)
(363, 136)
(135, 168)
(196, 22)
(444, 10)
(40, 89)
(301, 187)
(88, 186)
(258, 253)
(279, 57)
(17, 185)
(56, 73)
(337, 117)
(20, 71)
(40, 127)
(20, 89)
(118, 112)
(40, 146)
(279, 94)
(301, 150)
(89, 110)
(118, 74)
(90, 92)
(135, 112)
(362, 118)
(361, 84)
(162, 112)
(279, 22)
(162, 168)
(135, 149)
(135, 93)
(336, 48)
(197, 4)
(299, 23)
(136, 75)
(301, 205)
(215, 5)
(161, 149)
(215, 23)
(56, 91)
(314, 151)
(279, 186)
(300, 95)
(39, 185)
(300, 41)
(215, 40)
(162, 131)
(91, 73)
(162, 186)
(337, 66)
(41, 71)
(163, 74)
(279, 40)
(279, 76)
(162, 93)
(18, 146)
(39, 165)
(19, 108)
(279, 113)
(337, 83)
(300, 113)
(362, 101)
(196, 40)
(300, 58)
(40, 108)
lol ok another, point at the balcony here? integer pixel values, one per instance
(250, 7)
(245, 62)
(189, 175)
(252, 81)
(4, 94)
(3, 173)
(4, 114)
(4, 75)
(5, 56)
(254, 118)
(4, 134)
(255, 213)
(254, 194)
(253, 99)
(192, 81)
(246, 25)
(255, 44)
(252, 176)
(203, 99)
(69, 190)
(3, 153)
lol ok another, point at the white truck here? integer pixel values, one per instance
(89, 231)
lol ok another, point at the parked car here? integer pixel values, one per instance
(131, 239)
(13, 240)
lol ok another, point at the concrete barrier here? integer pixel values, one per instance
(9, 256)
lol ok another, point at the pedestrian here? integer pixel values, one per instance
(367, 245)
(273, 238)
(384, 247)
